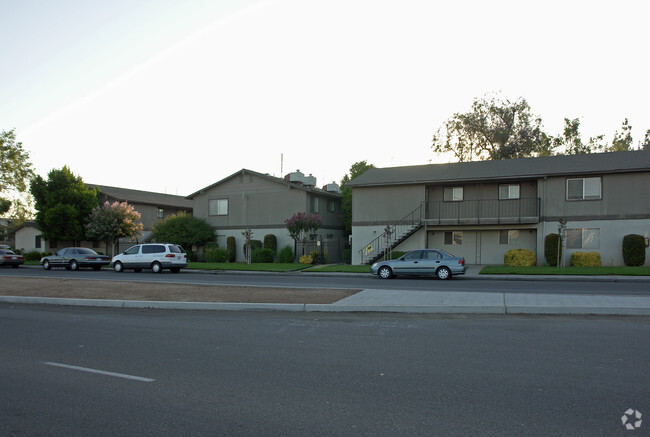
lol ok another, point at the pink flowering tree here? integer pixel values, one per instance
(111, 221)
(300, 225)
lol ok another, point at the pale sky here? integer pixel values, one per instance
(174, 95)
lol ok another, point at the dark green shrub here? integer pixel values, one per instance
(216, 255)
(286, 255)
(347, 256)
(191, 256)
(231, 247)
(262, 256)
(32, 256)
(634, 250)
(271, 242)
(551, 244)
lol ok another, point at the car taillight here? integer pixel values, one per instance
(461, 261)
(170, 255)
(90, 258)
(6, 257)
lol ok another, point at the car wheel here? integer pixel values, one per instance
(385, 272)
(137, 270)
(118, 267)
(46, 265)
(443, 273)
(74, 265)
(175, 269)
(156, 267)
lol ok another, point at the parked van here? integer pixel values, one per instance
(154, 256)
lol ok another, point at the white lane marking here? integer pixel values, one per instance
(100, 372)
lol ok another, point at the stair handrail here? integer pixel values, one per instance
(383, 241)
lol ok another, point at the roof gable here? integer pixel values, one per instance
(144, 197)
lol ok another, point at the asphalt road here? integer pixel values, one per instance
(88, 371)
(342, 281)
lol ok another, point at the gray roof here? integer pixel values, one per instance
(144, 197)
(506, 169)
(270, 178)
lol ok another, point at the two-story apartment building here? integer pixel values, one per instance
(480, 210)
(260, 202)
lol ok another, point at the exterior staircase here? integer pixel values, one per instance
(392, 236)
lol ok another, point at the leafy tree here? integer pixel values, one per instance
(63, 205)
(493, 129)
(111, 221)
(646, 141)
(15, 173)
(571, 140)
(356, 169)
(184, 229)
(302, 224)
(622, 141)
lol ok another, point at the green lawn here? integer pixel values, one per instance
(340, 268)
(260, 267)
(548, 270)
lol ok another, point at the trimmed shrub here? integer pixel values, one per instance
(317, 257)
(271, 242)
(519, 258)
(231, 247)
(262, 256)
(32, 256)
(191, 256)
(306, 259)
(634, 250)
(216, 255)
(286, 255)
(551, 244)
(585, 259)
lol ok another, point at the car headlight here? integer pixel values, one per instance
(373, 266)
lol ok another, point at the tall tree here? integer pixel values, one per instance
(15, 174)
(646, 141)
(622, 141)
(184, 229)
(111, 221)
(356, 169)
(493, 129)
(570, 142)
(63, 205)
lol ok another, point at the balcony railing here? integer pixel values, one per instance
(474, 212)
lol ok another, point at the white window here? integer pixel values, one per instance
(583, 189)
(508, 236)
(161, 213)
(454, 238)
(218, 207)
(453, 194)
(508, 192)
(586, 238)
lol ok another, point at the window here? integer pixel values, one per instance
(508, 236)
(132, 250)
(454, 238)
(508, 192)
(218, 207)
(314, 205)
(416, 254)
(160, 213)
(586, 238)
(453, 194)
(331, 205)
(153, 248)
(431, 254)
(37, 242)
(583, 189)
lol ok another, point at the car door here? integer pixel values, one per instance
(59, 258)
(409, 264)
(131, 257)
(431, 260)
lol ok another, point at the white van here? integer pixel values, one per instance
(154, 256)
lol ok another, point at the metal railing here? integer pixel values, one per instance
(491, 211)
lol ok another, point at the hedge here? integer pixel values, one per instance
(551, 243)
(519, 258)
(634, 250)
(585, 259)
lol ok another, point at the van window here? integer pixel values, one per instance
(153, 248)
(175, 249)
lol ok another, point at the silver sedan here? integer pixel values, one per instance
(421, 262)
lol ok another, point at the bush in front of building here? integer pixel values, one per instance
(347, 256)
(216, 255)
(262, 255)
(231, 247)
(318, 257)
(551, 244)
(271, 242)
(33, 255)
(306, 259)
(585, 259)
(286, 255)
(519, 258)
(634, 250)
